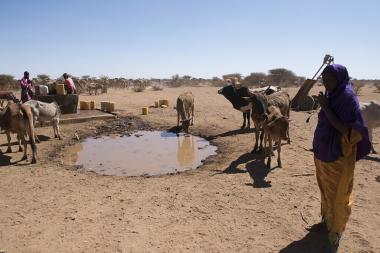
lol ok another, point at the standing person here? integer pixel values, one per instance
(26, 88)
(340, 139)
(69, 84)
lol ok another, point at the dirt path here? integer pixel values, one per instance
(231, 204)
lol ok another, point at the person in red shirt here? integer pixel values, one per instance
(69, 84)
(26, 88)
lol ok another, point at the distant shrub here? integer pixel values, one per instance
(357, 85)
(377, 86)
(139, 88)
(157, 87)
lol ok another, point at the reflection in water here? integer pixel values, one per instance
(144, 153)
(185, 151)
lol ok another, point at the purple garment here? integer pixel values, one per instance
(344, 103)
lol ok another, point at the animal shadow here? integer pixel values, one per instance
(233, 132)
(5, 160)
(312, 242)
(371, 158)
(43, 137)
(255, 166)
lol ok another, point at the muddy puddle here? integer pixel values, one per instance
(144, 153)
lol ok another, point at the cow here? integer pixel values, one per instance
(238, 95)
(185, 110)
(261, 103)
(275, 128)
(18, 118)
(237, 98)
(46, 112)
(371, 115)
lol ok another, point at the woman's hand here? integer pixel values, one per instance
(322, 100)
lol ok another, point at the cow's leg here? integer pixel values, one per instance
(19, 143)
(56, 128)
(288, 135)
(192, 114)
(279, 153)
(34, 123)
(244, 120)
(249, 119)
(261, 139)
(370, 139)
(270, 151)
(9, 149)
(32, 143)
(256, 139)
(24, 157)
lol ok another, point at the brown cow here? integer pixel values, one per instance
(275, 129)
(260, 110)
(185, 110)
(18, 118)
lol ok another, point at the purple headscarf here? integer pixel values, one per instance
(344, 103)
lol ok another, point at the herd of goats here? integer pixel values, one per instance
(268, 107)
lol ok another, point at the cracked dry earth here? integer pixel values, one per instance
(231, 204)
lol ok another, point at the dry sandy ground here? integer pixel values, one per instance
(231, 204)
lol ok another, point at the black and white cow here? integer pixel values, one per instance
(237, 98)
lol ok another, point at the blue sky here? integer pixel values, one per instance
(201, 38)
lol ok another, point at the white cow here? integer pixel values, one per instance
(371, 114)
(46, 112)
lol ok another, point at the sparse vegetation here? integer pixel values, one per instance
(357, 85)
(279, 77)
(377, 86)
(8, 82)
(157, 87)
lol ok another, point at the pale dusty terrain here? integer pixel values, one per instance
(231, 204)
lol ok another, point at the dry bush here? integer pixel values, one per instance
(377, 86)
(138, 88)
(357, 85)
(157, 87)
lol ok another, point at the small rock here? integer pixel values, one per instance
(164, 106)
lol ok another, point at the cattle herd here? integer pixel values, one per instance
(268, 107)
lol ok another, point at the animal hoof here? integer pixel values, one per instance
(374, 152)
(24, 158)
(33, 161)
(20, 149)
(9, 150)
